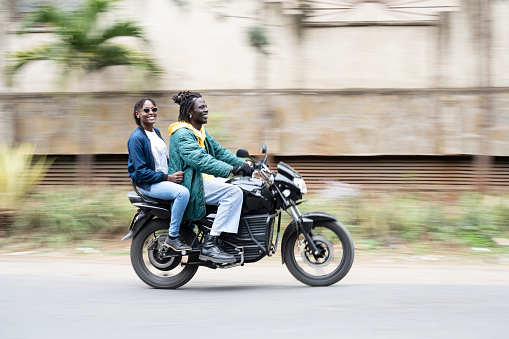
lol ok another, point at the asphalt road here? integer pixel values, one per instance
(99, 297)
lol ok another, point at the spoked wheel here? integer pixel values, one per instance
(332, 264)
(152, 265)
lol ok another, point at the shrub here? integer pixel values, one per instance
(19, 174)
(66, 214)
(386, 217)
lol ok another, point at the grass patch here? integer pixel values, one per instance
(62, 215)
(417, 222)
(385, 219)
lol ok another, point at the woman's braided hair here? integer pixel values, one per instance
(186, 101)
(137, 107)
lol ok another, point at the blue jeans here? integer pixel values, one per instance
(229, 199)
(168, 190)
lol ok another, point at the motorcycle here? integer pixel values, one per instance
(316, 248)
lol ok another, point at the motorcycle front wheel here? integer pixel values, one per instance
(336, 254)
(153, 268)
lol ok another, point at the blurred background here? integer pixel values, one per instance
(395, 112)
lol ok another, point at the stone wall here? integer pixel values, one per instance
(429, 122)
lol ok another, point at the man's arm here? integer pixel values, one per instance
(197, 157)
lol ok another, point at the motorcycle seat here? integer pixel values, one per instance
(137, 197)
(140, 197)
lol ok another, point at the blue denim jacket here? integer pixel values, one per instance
(141, 166)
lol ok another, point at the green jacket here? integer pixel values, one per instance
(186, 155)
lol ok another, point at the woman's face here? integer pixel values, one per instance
(200, 112)
(147, 115)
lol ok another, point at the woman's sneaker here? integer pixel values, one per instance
(177, 244)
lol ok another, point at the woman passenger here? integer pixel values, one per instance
(148, 169)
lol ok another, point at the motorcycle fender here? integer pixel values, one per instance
(160, 212)
(293, 227)
(140, 219)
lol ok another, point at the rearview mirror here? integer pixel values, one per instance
(242, 153)
(264, 149)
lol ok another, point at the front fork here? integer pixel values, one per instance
(305, 226)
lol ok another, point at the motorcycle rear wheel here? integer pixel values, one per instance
(336, 246)
(153, 270)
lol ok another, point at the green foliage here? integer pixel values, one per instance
(83, 45)
(469, 220)
(180, 3)
(257, 36)
(68, 214)
(19, 174)
(305, 9)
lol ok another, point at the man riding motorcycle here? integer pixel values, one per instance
(204, 162)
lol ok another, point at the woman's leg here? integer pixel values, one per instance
(167, 190)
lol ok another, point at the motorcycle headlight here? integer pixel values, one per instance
(301, 184)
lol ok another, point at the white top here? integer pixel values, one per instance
(159, 151)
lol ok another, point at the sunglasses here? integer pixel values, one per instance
(146, 109)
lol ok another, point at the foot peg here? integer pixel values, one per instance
(235, 264)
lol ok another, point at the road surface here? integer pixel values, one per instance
(101, 297)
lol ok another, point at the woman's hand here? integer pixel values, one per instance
(176, 177)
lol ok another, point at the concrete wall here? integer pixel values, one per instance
(349, 89)
(203, 45)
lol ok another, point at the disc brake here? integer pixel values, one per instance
(326, 252)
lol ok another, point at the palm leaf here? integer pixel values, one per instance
(92, 8)
(98, 6)
(111, 55)
(82, 46)
(45, 15)
(124, 29)
(21, 58)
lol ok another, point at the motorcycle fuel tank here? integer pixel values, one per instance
(257, 196)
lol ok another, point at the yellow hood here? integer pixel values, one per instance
(200, 135)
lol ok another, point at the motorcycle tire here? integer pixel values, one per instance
(337, 253)
(155, 271)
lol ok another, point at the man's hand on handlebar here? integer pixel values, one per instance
(245, 170)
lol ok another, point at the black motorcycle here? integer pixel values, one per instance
(317, 249)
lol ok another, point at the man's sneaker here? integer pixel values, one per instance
(177, 244)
